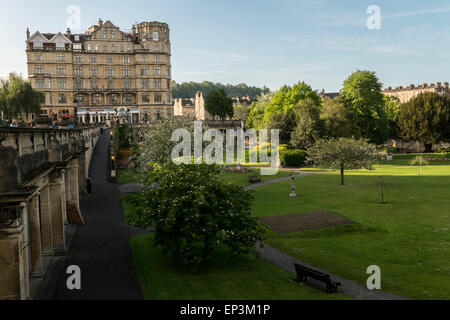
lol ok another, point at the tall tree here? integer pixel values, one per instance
(17, 97)
(336, 118)
(362, 94)
(217, 103)
(256, 112)
(392, 109)
(288, 97)
(285, 122)
(426, 119)
(309, 127)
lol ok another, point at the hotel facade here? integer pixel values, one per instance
(104, 72)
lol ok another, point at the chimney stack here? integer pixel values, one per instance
(100, 22)
(68, 32)
(28, 34)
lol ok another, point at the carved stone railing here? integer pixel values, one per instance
(25, 152)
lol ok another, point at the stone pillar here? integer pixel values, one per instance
(35, 230)
(67, 193)
(58, 209)
(46, 222)
(14, 278)
(73, 182)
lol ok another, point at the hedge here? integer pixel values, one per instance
(293, 158)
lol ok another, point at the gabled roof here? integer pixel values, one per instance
(38, 34)
(59, 34)
(108, 24)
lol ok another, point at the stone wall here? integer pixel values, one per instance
(43, 172)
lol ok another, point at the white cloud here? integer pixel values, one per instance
(416, 13)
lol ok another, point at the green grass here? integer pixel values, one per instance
(126, 176)
(409, 237)
(242, 178)
(245, 278)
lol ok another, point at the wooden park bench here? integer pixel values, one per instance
(303, 273)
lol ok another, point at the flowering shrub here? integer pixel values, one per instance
(343, 154)
(196, 216)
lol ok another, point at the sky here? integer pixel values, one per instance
(262, 42)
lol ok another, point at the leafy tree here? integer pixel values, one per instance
(17, 97)
(157, 145)
(309, 125)
(285, 122)
(287, 98)
(241, 112)
(362, 94)
(419, 161)
(256, 112)
(343, 154)
(426, 118)
(336, 118)
(217, 103)
(196, 216)
(392, 104)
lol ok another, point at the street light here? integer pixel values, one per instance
(75, 115)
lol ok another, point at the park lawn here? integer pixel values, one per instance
(409, 237)
(244, 278)
(128, 176)
(242, 178)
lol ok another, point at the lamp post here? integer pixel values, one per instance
(75, 115)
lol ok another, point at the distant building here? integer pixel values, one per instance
(412, 91)
(329, 96)
(244, 101)
(104, 72)
(194, 107)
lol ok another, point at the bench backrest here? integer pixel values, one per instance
(311, 272)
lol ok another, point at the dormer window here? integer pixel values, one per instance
(155, 36)
(77, 38)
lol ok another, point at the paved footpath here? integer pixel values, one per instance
(350, 288)
(101, 247)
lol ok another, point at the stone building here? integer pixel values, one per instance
(243, 101)
(328, 95)
(194, 107)
(103, 72)
(43, 172)
(410, 92)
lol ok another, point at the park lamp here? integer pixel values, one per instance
(113, 158)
